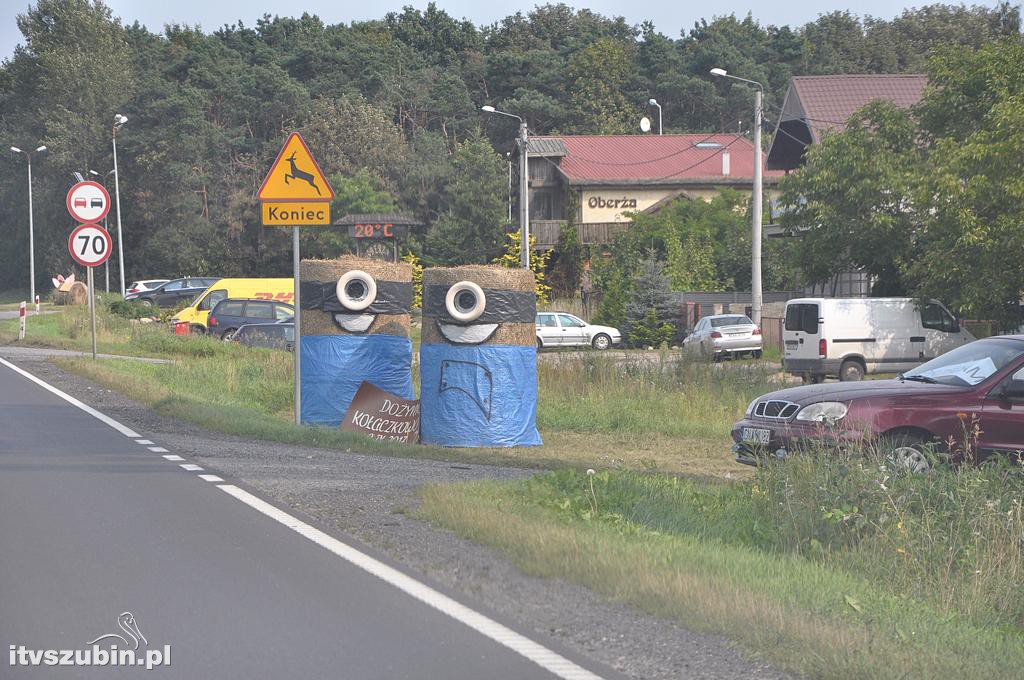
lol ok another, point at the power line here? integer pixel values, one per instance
(649, 160)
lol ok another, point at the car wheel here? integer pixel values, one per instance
(226, 335)
(540, 344)
(196, 329)
(601, 341)
(851, 370)
(906, 453)
(146, 302)
(756, 353)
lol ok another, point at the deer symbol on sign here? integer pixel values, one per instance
(300, 174)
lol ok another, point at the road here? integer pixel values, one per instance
(97, 521)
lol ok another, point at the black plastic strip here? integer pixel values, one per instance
(393, 297)
(867, 340)
(503, 306)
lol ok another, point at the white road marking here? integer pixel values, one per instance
(157, 449)
(126, 431)
(210, 478)
(144, 442)
(173, 457)
(535, 652)
(191, 467)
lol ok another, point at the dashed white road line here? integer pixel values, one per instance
(210, 478)
(145, 442)
(173, 457)
(191, 467)
(157, 449)
(534, 651)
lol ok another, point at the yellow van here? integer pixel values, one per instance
(197, 313)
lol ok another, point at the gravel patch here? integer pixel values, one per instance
(369, 497)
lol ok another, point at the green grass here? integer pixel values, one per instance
(933, 590)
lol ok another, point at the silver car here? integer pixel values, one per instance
(725, 335)
(558, 329)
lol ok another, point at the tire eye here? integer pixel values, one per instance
(356, 290)
(465, 301)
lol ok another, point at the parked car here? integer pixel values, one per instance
(280, 290)
(559, 329)
(723, 335)
(229, 315)
(851, 337)
(279, 335)
(144, 285)
(174, 292)
(979, 384)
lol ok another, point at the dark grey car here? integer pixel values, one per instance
(269, 335)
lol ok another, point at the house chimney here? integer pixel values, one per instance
(725, 163)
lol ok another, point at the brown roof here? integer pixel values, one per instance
(815, 105)
(650, 159)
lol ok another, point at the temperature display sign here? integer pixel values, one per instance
(89, 245)
(378, 230)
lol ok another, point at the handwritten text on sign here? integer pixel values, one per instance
(382, 415)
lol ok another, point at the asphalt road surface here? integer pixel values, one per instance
(95, 524)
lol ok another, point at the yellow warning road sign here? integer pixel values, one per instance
(295, 213)
(295, 176)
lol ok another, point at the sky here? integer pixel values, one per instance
(669, 16)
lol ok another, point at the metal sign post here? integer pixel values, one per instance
(90, 246)
(294, 193)
(92, 308)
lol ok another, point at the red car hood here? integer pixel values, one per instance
(846, 391)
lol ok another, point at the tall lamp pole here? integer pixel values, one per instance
(755, 247)
(523, 141)
(31, 226)
(654, 102)
(119, 120)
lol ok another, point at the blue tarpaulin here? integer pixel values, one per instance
(334, 366)
(479, 395)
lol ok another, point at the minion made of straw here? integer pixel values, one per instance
(478, 358)
(355, 328)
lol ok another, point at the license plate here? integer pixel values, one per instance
(791, 344)
(756, 435)
(735, 335)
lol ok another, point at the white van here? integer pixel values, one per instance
(850, 337)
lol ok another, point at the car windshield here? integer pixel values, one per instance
(731, 321)
(970, 364)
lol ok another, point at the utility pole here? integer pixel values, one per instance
(31, 225)
(119, 120)
(524, 194)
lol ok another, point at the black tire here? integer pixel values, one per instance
(146, 302)
(601, 341)
(851, 370)
(817, 379)
(540, 344)
(757, 354)
(226, 335)
(906, 453)
(196, 329)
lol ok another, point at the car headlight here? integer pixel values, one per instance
(823, 412)
(750, 409)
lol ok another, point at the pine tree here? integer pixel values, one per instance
(650, 310)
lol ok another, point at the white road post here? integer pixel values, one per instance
(21, 321)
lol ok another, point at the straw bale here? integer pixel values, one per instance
(316, 322)
(486, 276)
(331, 270)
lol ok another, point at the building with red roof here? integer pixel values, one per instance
(611, 176)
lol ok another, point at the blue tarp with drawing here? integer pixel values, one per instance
(477, 396)
(334, 366)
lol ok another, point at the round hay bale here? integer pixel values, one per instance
(486, 276)
(317, 322)
(78, 294)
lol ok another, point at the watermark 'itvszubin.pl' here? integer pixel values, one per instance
(96, 655)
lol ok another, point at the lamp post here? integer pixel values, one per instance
(654, 102)
(755, 247)
(31, 226)
(119, 120)
(523, 141)
(106, 265)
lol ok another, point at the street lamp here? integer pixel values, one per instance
(119, 120)
(106, 265)
(523, 142)
(31, 227)
(654, 102)
(755, 248)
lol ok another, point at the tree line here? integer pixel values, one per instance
(390, 108)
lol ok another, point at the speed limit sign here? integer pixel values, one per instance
(90, 245)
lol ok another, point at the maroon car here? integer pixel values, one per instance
(977, 387)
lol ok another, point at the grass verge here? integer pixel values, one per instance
(727, 558)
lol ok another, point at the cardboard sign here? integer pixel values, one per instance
(382, 415)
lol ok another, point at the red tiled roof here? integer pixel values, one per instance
(829, 101)
(652, 159)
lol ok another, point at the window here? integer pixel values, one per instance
(731, 321)
(570, 321)
(282, 312)
(232, 308)
(935, 317)
(802, 317)
(259, 310)
(211, 300)
(175, 285)
(546, 321)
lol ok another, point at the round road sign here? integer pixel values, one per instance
(88, 202)
(90, 245)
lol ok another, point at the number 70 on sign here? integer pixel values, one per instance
(89, 245)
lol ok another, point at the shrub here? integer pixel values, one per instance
(129, 309)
